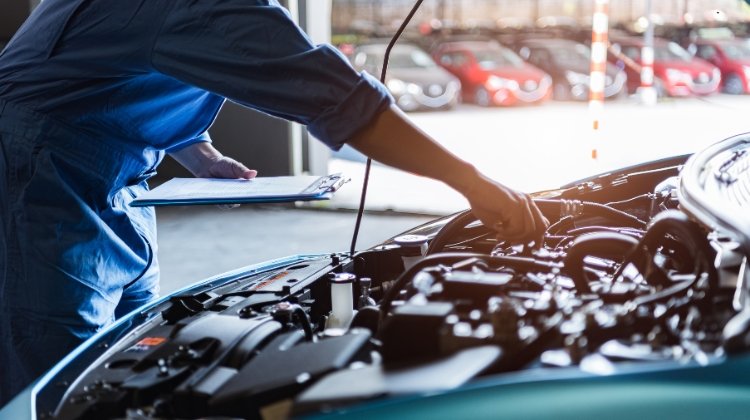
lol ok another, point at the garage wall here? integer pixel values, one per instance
(13, 13)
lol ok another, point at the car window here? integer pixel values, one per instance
(492, 58)
(410, 58)
(453, 59)
(572, 55)
(706, 52)
(365, 61)
(539, 57)
(671, 52)
(737, 51)
(633, 53)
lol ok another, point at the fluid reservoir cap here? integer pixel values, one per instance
(411, 240)
(342, 278)
(412, 245)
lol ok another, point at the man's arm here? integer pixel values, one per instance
(393, 140)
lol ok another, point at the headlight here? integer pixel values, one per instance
(716, 73)
(396, 86)
(746, 69)
(495, 83)
(454, 85)
(675, 75)
(577, 78)
(546, 81)
(413, 88)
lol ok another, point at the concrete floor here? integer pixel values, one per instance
(202, 241)
(533, 148)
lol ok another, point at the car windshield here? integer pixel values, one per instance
(493, 58)
(410, 59)
(571, 55)
(737, 51)
(671, 52)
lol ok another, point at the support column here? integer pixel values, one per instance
(315, 18)
(648, 93)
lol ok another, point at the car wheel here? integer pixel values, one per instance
(661, 91)
(733, 85)
(482, 97)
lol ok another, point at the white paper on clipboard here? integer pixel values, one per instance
(277, 189)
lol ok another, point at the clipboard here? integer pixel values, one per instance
(278, 189)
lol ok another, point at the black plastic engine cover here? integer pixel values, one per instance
(283, 369)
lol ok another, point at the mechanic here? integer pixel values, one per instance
(93, 93)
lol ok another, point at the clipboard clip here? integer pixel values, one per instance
(332, 183)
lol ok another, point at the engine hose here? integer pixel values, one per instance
(453, 258)
(568, 209)
(602, 244)
(576, 208)
(633, 233)
(448, 231)
(687, 232)
(303, 319)
(570, 235)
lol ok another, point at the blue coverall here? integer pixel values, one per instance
(92, 94)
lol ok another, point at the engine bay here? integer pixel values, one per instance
(628, 273)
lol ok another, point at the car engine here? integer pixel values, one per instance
(637, 268)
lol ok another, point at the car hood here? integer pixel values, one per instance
(519, 74)
(694, 67)
(585, 68)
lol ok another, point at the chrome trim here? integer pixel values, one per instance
(534, 95)
(616, 86)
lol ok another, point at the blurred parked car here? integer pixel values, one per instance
(676, 71)
(732, 57)
(569, 63)
(491, 74)
(414, 79)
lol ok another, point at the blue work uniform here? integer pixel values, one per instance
(92, 94)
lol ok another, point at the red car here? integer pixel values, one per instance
(491, 74)
(676, 71)
(732, 57)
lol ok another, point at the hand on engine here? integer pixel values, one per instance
(511, 213)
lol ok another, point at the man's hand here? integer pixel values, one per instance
(226, 167)
(392, 139)
(204, 161)
(511, 213)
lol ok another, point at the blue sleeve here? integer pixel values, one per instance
(252, 53)
(203, 138)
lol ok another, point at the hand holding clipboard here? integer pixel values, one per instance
(280, 189)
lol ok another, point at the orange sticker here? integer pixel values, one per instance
(151, 341)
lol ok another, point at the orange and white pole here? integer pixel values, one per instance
(599, 29)
(646, 91)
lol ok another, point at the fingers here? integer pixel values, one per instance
(227, 167)
(521, 221)
(241, 171)
(238, 170)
